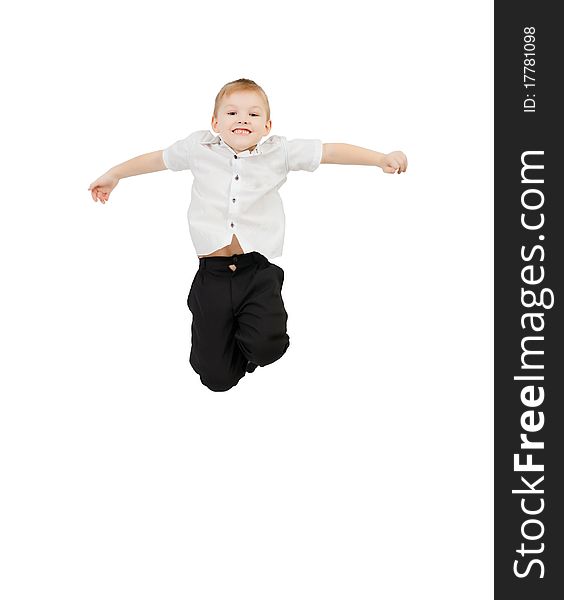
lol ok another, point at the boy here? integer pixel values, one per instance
(236, 221)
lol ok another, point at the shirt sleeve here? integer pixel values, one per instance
(302, 155)
(178, 155)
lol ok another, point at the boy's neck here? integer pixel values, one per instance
(250, 149)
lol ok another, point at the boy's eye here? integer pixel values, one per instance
(234, 112)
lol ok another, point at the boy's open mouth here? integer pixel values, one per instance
(241, 131)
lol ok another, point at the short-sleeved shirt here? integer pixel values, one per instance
(237, 192)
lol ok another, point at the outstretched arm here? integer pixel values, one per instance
(347, 154)
(146, 163)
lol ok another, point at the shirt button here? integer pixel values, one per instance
(233, 199)
(234, 156)
(236, 176)
(232, 225)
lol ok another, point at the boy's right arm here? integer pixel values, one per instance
(146, 163)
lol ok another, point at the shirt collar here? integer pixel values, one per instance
(217, 140)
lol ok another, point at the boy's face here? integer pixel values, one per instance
(242, 110)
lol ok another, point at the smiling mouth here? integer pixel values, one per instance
(241, 131)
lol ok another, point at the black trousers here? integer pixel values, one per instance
(238, 317)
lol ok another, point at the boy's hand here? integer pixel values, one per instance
(394, 162)
(102, 187)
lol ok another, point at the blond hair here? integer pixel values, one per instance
(243, 85)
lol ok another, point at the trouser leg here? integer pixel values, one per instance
(261, 316)
(214, 354)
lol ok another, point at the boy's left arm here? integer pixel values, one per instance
(347, 154)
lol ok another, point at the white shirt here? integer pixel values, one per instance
(237, 193)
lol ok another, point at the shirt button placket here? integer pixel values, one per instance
(234, 195)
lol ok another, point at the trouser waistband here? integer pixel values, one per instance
(239, 260)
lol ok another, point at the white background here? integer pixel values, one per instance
(360, 465)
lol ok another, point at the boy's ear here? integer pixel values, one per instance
(213, 123)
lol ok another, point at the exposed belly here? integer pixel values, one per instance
(233, 248)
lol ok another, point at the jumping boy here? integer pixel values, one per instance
(236, 221)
